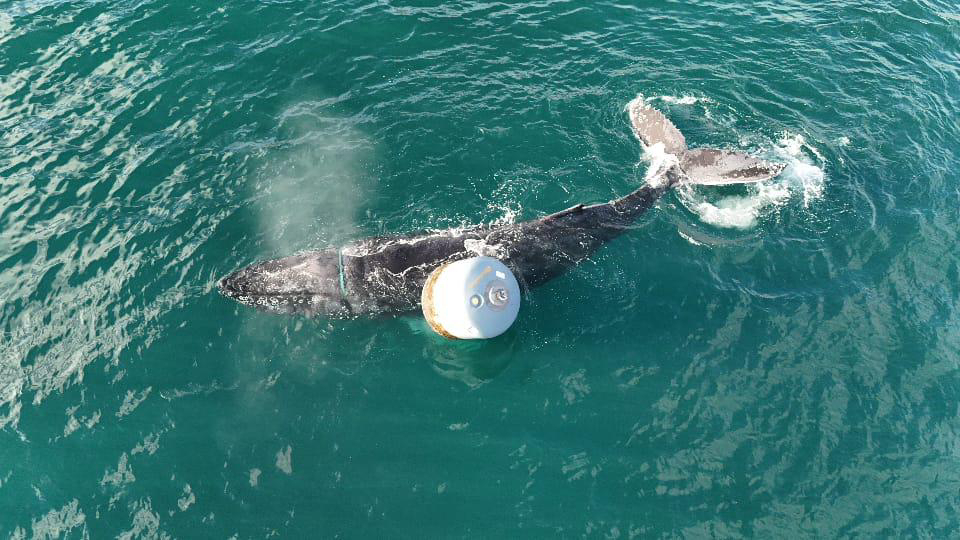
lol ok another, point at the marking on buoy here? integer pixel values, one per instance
(486, 271)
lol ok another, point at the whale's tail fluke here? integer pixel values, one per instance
(652, 127)
(704, 166)
(712, 167)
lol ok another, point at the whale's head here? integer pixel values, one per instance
(309, 283)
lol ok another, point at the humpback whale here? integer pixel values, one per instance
(385, 275)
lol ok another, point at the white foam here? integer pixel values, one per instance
(802, 172)
(803, 177)
(683, 100)
(738, 211)
(689, 238)
(508, 215)
(660, 161)
(481, 248)
(6, 24)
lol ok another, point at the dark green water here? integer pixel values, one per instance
(779, 361)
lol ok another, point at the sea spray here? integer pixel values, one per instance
(313, 188)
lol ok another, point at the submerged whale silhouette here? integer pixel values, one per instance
(383, 275)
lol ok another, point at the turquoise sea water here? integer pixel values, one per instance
(779, 361)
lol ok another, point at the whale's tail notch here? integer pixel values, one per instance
(703, 166)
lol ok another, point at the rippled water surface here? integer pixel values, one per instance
(775, 361)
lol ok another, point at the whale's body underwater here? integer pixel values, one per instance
(384, 275)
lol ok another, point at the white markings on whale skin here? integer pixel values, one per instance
(404, 287)
(373, 246)
(480, 247)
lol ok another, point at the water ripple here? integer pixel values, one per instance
(794, 374)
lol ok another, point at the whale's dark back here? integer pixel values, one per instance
(385, 275)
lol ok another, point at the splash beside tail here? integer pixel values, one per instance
(703, 166)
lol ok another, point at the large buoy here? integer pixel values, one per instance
(475, 298)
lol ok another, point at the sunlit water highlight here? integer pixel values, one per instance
(769, 361)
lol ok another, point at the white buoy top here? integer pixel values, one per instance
(474, 298)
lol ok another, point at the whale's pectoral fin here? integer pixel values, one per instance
(712, 167)
(652, 127)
